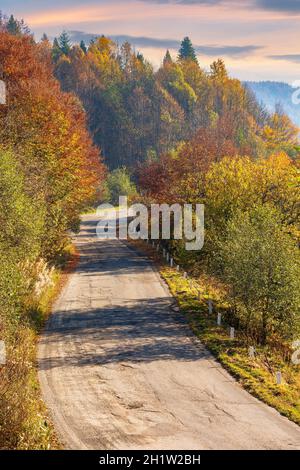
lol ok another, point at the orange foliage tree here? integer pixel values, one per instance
(46, 129)
(179, 176)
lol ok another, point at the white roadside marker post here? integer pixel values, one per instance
(278, 378)
(251, 352)
(184, 275)
(219, 319)
(178, 268)
(171, 262)
(231, 332)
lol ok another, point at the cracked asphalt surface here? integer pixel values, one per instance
(120, 370)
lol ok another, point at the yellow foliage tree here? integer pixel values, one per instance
(281, 134)
(240, 183)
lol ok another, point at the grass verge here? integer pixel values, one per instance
(257, 375)
(24, 422)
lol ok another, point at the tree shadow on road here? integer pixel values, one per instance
(139, 331)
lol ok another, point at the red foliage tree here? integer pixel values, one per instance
(46, 128)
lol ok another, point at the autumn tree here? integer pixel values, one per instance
(47, 130)
(261, 264)
(239, 183)
(49, 171)
(134, 111)
(218, 70)
(280, 133)
(180, 175)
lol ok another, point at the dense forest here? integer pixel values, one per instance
(82, 121)
(136, 113)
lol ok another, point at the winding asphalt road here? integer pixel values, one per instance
(120, 370)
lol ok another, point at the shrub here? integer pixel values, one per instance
(261, 264)
(119, 184)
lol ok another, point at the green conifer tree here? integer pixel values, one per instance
(187, 51)
(167, 58)
(13, 26)
(64, 42)
(83, 46)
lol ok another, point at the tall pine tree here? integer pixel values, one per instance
(167, 58)
(64, 43)
(44, 38)
(56, 50)
(187, 51)
(13, 26)
(83, 46)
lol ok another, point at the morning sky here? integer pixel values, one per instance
(259, 39)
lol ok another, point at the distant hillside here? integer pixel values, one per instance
(272, 93)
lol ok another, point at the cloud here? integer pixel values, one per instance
(208, 50)
(287, 6)
(294, 58)
(187, 2)
(230, 51)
